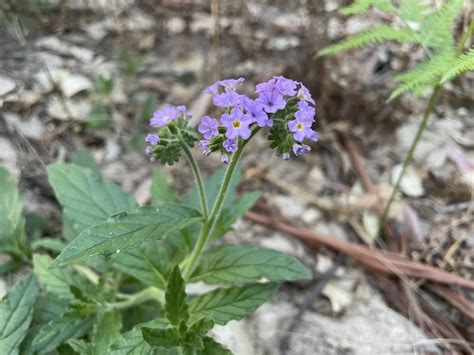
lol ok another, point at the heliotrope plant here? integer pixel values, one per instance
(119, 286)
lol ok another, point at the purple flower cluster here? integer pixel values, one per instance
(241, 113)
(162, 117)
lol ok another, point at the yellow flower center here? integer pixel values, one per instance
(236, 124)
(299, 126)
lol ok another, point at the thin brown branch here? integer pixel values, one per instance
(379, 260)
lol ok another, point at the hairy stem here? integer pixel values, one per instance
(148, 294)
(209, 225)
(198, 178)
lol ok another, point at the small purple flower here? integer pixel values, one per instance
(301, 129)
(227, 99)
(266, 86)
(305, 112)
(285, 86)
(272, 101)
(204, 145)
(237, 124)
(230, 145)
(227, 84)
(304, 94)
(286, 156)
(231, 84)
(212, 89)
(163, 116)
(225, 159)
(153, 139)
(299, 149)
(255, 109)
(148, 150)
(209, 127)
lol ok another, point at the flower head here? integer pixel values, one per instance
(209, 127)
(163, 116)
(237, 124)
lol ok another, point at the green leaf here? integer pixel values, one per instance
(53, 244)
(16, 312)
(161, 191)
(212, 186)
(12, 223)
(132, 343)
(202, 326)
(212, 347)
(86, 198)
(107, 331)
(80, 346)
(375, 34)
(59, 281)
(462, 64)
(85, 159)
(361, 6)
(226, 304)
(148, 264)
(61, 329)
(163, 338)
(233, 264)
(126, 231)
(233, 212)
(176, 308)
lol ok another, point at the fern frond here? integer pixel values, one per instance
(375, 34)
(423, 76)
(436, 29)
(462, 64)
(413, 11)
(361, 6)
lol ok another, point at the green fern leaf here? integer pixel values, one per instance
(436, 29)
(423, 75)
(375, 34)
(413, 11)
(462, 64)
(361, 6)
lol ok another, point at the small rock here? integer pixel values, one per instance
(289, 206)
(281, 243)
(74, 84)
(340, 299)
(282, 43)
(76, 110)
(7, 85)
(310, 216)
(236, 336)
(411, 183)
(9, 157)
(176, 25)
(31, 128)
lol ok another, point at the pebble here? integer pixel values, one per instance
(7, 85)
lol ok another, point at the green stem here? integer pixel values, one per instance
(148, 294)
(209, 225)
(429, 109)
(197, 176)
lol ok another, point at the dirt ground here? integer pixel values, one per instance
(88, 75)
